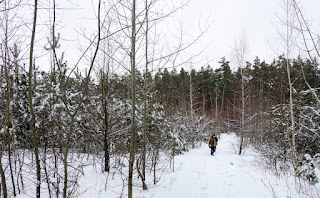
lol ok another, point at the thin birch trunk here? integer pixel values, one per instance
(33, 121)
(292, 126)
(3, 177)
(133, 89)
(242, 111)
(144, 186)
(72, 116)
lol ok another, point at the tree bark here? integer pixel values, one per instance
(3, 177)
(133, 89)
(143, 178)
(106, 124)
(33, 121)
(72, 116)
(240, 53)
(242, 111)
(293, 147)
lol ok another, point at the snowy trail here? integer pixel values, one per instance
(199, 175)
(225, 175)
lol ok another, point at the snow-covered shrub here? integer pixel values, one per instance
(307, 166)
(308, 133)
(276, 133)
(176, 134)
(187, 131)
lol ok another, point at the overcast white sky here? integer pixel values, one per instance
(257, 18)
(229, 18)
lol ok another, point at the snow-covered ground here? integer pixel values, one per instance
(226, 175)
(198, 174)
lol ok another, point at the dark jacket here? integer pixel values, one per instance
(213, 142)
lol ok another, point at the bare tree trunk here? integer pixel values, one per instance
(143, 178)
(173, 154)
(293, 147)
(72, 116)
(45, 170)
(11, 171)
(105, 89)
(106, 140)
(3, 177)
(8, 114)
(53, 98)
(55, 174)
(33, 121)
(203, 103)
(191, 111)
(242, 111)
(216, 102)
(154, 166)
(228, 118)
(65, 158)
(133, 88)
(222, 100)
(240, 53)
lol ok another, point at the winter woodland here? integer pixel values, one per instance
(131, 119)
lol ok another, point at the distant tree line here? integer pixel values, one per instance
(267, 124)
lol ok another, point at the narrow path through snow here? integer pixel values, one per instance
(225, 175)
(199, 175)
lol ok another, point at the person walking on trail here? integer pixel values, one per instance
(213, 143)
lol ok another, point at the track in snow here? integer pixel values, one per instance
(200, 175)
(224, 175)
